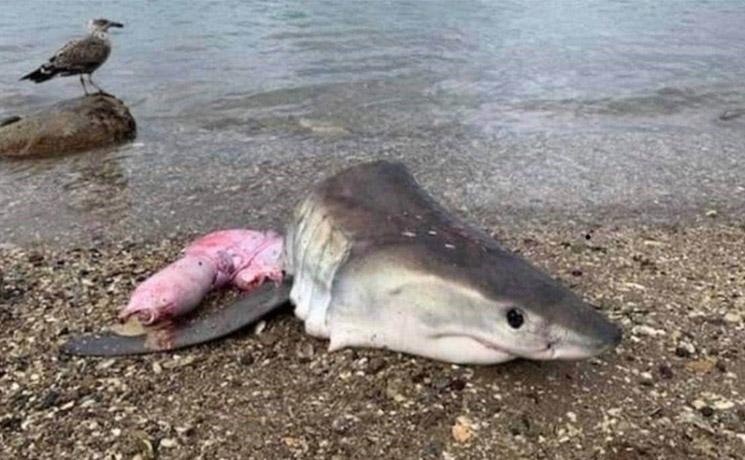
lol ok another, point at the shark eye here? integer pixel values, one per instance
(515, 318)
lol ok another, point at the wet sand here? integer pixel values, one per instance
(673, 389)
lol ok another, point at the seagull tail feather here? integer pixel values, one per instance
(41, 74)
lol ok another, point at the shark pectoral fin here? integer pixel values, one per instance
(110, 344)
(213, 326)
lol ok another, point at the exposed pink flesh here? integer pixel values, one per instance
(265, 264)
(245, 258)
(173, 291)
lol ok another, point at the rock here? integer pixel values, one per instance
(375, 365)
(707, 411)
(462, 430)
(647, 378)
(731, 114)
(343, 424)
(666, 371)
(168, 443)
(9, 120)
(73, 125)
(723, 404)
(684, 349)
(732, 317)
(647, 331)
(701, 366)
(305, 352)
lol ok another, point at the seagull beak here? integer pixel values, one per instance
(116, 24)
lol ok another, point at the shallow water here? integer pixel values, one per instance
(497, 106)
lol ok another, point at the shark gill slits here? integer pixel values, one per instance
(515, 318)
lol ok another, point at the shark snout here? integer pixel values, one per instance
(591, 337)
(603, 333)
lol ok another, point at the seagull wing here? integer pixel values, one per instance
(81, 56)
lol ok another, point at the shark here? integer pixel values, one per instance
(372, 260)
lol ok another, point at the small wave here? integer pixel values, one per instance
(664, 101)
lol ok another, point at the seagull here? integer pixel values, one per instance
(79, 57)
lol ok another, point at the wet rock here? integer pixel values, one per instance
(73, 125)
(731, 114)
(9, 120)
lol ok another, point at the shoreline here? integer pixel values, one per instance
(673, 388)
(515, 181)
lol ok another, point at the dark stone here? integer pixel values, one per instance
(375, 365)
(665, 371)
(682, 352)
(9, 120)
(457, 384)
(246, 360)
(707, 411)
(49, 400)
(731, 114)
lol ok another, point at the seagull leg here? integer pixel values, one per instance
(82, 82)
(100, 91)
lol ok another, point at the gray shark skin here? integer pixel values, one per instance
(374, 261)
(378, 263)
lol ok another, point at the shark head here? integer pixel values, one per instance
(511, 311)
(475, 326)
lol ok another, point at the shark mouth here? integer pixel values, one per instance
(546, 353)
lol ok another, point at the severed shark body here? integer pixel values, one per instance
(371, 260)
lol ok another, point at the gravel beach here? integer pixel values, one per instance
(673, 388)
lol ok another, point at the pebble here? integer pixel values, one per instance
(343, 423)
(706, 411)
(305, 352)
(168, 443)
(462, 430)
(684, 349)
(375, 365)
(665, 371)
(732, 317)
(246, 359)
(647, 331)
(701, 366)
(723, 405)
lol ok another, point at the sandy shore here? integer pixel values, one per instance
(673, 389)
